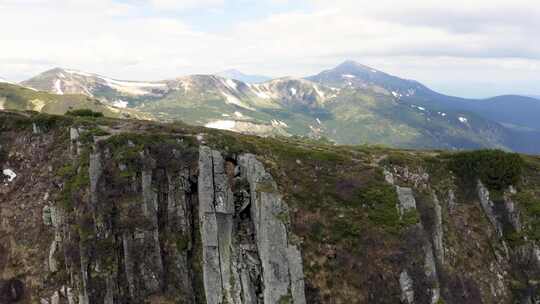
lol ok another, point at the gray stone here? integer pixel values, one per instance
(179, 223)
(230, 268)
(53, 262)
(438, 233)
(46, 216)
(35, 128)
(430, 271)
(452, 203)
(94, 171)
(129, 264)
(209, 228)
(388, 177)
(512, 213)
(152, 267)
(406, 200)
(296, 270)
(406, 285)
(55, 299)
(267, 211)
(74, 135)
(489, 208)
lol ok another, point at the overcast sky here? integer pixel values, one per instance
(470, 48)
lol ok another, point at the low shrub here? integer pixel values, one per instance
(496, 169)
(84, 113)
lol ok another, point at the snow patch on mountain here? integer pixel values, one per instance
(58, 87)
(222, 124)
(258, 91)
(293, 91)
(120, 104)
(463, 120)
(279, 123)
(348, 76)
(230, 83)
(235, 101)
(318, 90)
(136, 88)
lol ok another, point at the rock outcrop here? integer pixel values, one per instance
(247, 253)
(120, 212)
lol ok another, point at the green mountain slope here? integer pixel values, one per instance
(15, 97)
(350, 104)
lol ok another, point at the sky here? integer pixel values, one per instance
(473, 48)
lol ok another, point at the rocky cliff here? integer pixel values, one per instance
(97, 210)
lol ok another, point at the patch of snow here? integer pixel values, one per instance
(10, 174)
(222, 124)
(130, 87)
(58, 87)
(238, 114)
(463, 119)
(61, 75)
(235, 101)
(231, 84)
(410, 92)
(293, 91)
(373, 71)
(225, 115)
(120, 104)
(133, 84)
(319, 121)
(348, 76)
(319, 92)
(262, 95)
(442, 114)
(278, 123)
(418, 107)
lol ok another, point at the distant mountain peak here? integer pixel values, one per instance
(247, 78)
(3, 80)
(353, 66)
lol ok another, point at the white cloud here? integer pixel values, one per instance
(185, 4)
(433, 41)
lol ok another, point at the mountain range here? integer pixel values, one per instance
(348, 104)
(247, 78)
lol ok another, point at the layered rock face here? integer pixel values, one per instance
(97, 214)
(139, 222)
(247, 252)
